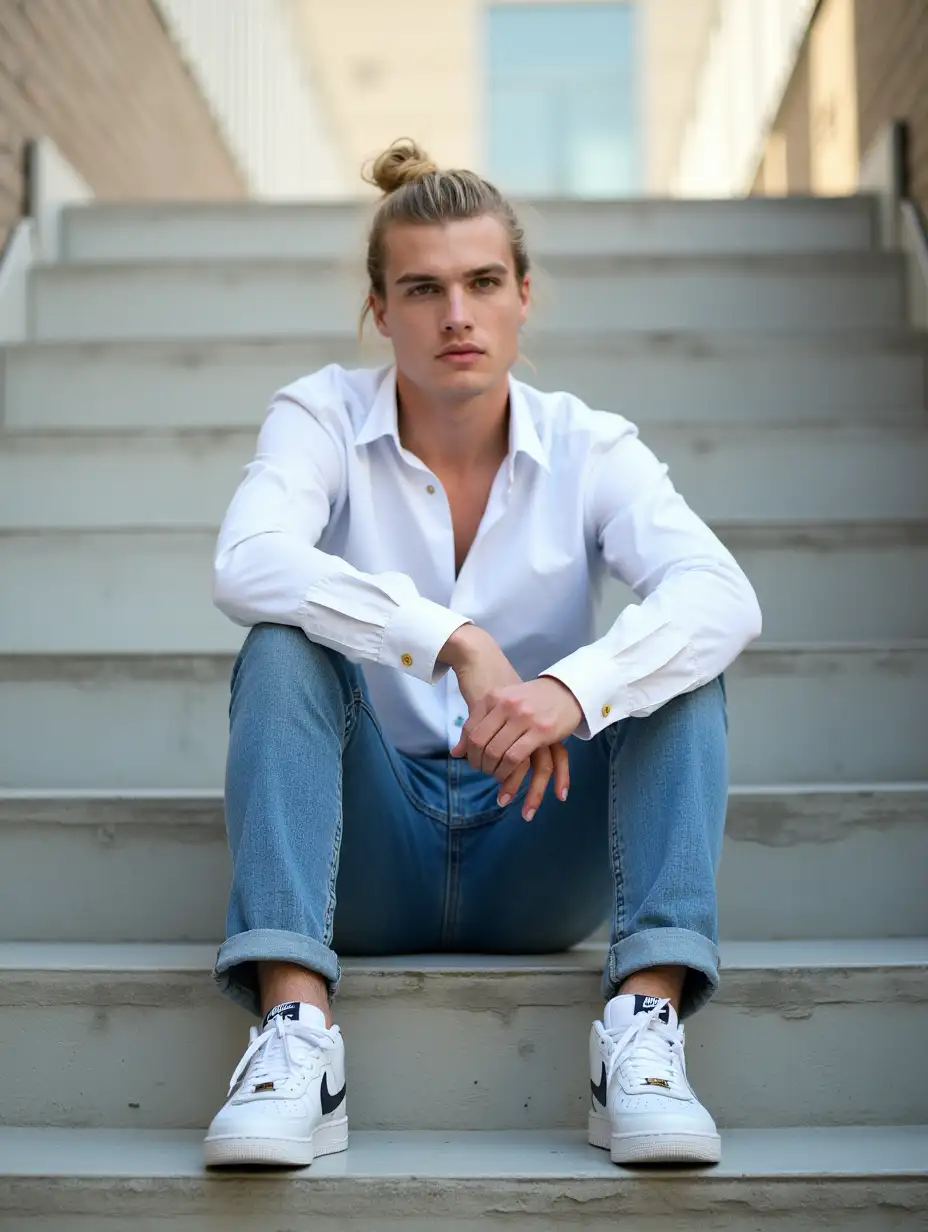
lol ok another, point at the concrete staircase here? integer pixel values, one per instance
(762, 347)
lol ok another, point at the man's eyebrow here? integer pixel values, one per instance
(482, 271)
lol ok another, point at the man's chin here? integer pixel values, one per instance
(470, 382)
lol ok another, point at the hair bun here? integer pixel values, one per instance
(399, 164)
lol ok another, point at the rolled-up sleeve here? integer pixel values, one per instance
(697, 609)
(267, 566)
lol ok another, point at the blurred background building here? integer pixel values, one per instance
(190, 99)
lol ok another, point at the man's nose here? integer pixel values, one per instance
(457, 313)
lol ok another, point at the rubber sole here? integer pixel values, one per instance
(230, 1151)
(672, 1147)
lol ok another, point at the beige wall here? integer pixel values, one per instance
(675, 41)
(833, 99)
(105, 83)
(394, 68)
(414, 68)
(865, 63)
(787, 162)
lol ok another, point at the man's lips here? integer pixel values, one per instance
(461, 353)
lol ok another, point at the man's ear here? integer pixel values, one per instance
(525, 295)
(378, 312)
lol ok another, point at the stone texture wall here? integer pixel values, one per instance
(892, 78)
(865, 62)
(104, 81)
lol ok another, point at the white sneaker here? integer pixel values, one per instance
(287, 1096)
(643, 1107)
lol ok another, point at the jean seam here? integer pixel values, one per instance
(466, 821)
(618, 856)
(453, 778)
(329, 923)
(420, 805)
(351, 715)
(450, 895)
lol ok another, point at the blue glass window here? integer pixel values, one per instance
(561, 99)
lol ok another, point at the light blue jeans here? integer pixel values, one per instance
(343, 845)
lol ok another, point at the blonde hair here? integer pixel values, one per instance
(416, 191)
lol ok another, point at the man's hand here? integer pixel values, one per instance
(517, 724)
(535, 716)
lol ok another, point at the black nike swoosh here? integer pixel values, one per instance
(599, 1092)
(331, 1102)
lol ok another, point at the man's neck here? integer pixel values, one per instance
(454, 437)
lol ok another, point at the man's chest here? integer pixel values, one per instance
(467, 501)
(475, 546)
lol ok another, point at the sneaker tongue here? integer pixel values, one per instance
(620, 1012)
(296, 1011)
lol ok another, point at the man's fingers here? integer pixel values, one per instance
(477, 714)
(512, 784)
(481, 735)
(498, 757)
(561, 763)
(542, 769)
(561, 770)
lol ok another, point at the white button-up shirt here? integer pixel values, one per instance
(340, 531)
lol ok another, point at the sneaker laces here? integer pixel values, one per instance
(271, 1051)
(649, 1048)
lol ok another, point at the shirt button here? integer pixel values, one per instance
(406, 660)
(459, 721)
(431, 489)
(607, 710)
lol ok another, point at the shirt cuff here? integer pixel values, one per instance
(414, 637)
(592, 677)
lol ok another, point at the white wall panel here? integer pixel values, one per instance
(752, 51)
(247, 61)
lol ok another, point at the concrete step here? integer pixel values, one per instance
(822, 861)
(874, 377)
(234, 299)
(66, 480)
(233, 231)
(851, 1179)
(144, 591)
(138, 1036)
(823, 714)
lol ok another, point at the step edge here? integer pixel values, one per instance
(845, 263)
(562, 1142)
(897, 339)
(894, 431)
(759, 532)
(773, 791)
(119, 960)
(180, 658)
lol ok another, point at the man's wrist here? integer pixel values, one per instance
(462, 646)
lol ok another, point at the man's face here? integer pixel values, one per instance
(453, 305)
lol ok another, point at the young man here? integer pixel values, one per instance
(420, 717)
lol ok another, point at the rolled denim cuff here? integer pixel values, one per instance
(236, 972)
(667, 947)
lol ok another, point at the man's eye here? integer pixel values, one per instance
(423, 288)
(485, 283)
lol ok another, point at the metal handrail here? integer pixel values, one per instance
(915, 243)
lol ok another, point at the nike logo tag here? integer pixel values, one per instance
(331, 1102)
(599, 1092)
(644, 1005)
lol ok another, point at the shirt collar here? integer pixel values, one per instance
(382, 420)
(523, 434)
